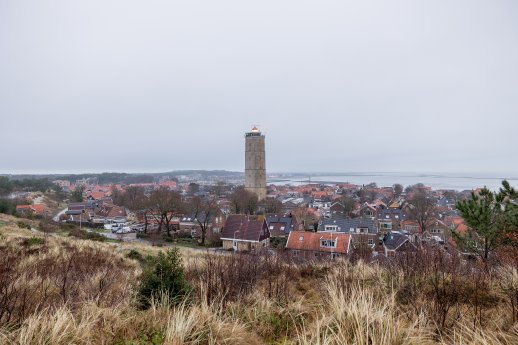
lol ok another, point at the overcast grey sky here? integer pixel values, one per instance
(426, 86)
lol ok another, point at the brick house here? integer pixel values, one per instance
(307, 245)
(282, 225)
(389, 219)
(190, 223)
(245, 233)
(36, 209)
(395, 242)
(347, 225)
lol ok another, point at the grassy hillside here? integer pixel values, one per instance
(59, 290)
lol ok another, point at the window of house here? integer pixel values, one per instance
(335, 255)
(396, 216)
(271, 227)
(295, 252)
(330, 227)
(386, 225)
(327, 243)
(370, 241)
(301, 238)
(215, 230)
(282, 227)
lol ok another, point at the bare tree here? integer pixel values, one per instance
(134, 198)
(204, 211)
(220, 188)
(244, 202)
(304, 215)
(348, 204)
(272, 205)
(398, 190)
(164, 204)
(422, 208)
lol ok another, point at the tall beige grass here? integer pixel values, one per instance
(317, 303)
(358, 312)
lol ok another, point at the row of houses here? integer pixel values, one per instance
(94, 211)
(249, 233)
(31, 210)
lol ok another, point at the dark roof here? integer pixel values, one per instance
(282, 225)
(247, 228)
(394, 240)
(345, 224)
(201, 216)
(391, 213)
(88, 204)
(74, 212)
(337, 207)
(111, 211)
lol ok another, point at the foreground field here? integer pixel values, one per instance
(57, 290)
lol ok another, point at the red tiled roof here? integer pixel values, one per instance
(306, 240)
(23, 207)
(168, 184)
(97, 195)
(457, 223)
(36, 208)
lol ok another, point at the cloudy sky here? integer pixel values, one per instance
(408, 86)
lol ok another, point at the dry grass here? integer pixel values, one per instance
(286, 303)
(356, 311)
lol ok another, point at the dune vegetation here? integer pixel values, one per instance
(62, 290)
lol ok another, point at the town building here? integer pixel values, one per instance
(245, 233)
(308, 245)
(282, 225)
(190, 223)
(396, 242)
(27, 210)
(347, 225)
(389, 219)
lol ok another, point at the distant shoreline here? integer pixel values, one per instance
(458, 182)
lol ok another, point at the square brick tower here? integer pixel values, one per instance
(255, 163)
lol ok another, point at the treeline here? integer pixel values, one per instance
(25, 185)
(110, 178)
(125, 178)
(104, 178)
(8, 206)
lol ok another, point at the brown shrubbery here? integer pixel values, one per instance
(224, 278)
(67, 291)
(41, 276)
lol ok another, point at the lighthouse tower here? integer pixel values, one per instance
(255, 163)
